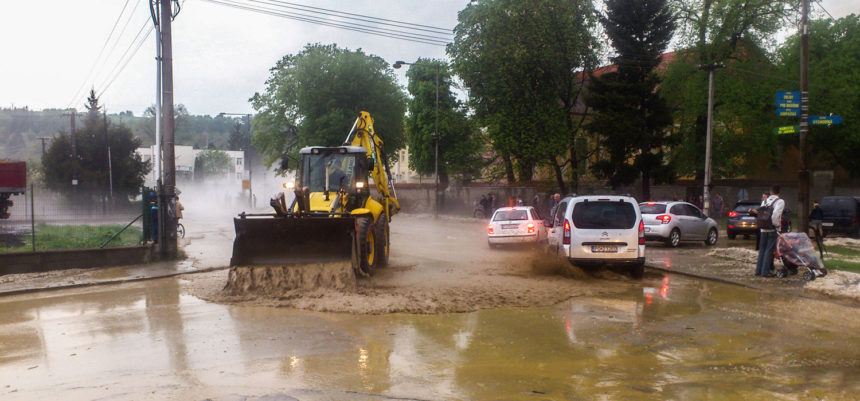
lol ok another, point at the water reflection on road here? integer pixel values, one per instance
(672, 337)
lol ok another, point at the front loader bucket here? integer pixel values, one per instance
(279, 241)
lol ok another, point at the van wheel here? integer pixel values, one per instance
(712, 237)
(674, 238)
(637, 271)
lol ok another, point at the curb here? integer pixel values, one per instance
(706, 277)
(107, 282)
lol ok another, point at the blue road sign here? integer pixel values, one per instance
(788, 104)
(825, 120)
(788, 112)
(786, 96)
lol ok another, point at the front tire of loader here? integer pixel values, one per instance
(366, 246)
(383, 241)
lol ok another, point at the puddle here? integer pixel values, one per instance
(668, 338)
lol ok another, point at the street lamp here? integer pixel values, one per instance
(397, 65)
(247, 118)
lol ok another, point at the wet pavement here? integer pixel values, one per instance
(670, 337)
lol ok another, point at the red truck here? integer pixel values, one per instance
(13, 181)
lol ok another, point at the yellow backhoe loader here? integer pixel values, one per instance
(334, 216)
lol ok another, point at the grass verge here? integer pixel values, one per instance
(72, 237)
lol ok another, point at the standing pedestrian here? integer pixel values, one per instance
(556, 198)
(485, 206)
(718, 206)
(768, 217)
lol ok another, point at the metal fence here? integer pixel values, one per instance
(43, 219)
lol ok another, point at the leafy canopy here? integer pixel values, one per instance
(518, 59)
(631, 118)
(459, 145)
(313, 98)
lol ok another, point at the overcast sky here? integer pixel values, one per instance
(222, 55)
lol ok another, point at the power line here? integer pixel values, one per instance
(95, 62)
(359, 17)
(415, 37)
(411, 37)
(133, 53)
(824, 9)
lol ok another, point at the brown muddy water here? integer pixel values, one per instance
(668, 337)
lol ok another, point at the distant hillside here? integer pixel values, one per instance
(21, 128)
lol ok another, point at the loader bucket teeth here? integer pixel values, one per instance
(277, 241)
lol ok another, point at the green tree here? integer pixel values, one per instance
(631, 117)
(833, 81)
(211, 163)
(736, 33)
(89, 163)
(313, 98)
(459, 146)
(239, 137)
(519, 60)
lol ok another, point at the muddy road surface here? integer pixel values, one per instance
(447, 320)
(667, 337)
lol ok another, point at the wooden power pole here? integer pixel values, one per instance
(803, 174)
(167, 232)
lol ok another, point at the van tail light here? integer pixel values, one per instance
(733, 214)
(531, 227)
(490, 229)
(566, 234)
(642, 232)
(665, 218)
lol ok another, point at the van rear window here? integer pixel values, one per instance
(604, 215)
(506, 215)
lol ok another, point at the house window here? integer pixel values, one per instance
(238, 161)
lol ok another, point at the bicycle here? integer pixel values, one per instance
(180, 230)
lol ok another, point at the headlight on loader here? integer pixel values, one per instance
(289, 185)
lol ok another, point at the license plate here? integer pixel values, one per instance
(509, 226)
(748, 218)
(828, 224)
(604, 248)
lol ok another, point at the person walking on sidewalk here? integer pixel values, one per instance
(768, 217)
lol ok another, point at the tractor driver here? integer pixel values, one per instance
(336, 177)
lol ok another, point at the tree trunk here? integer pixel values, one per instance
(509, 168)
(646, 185)
(559, 176)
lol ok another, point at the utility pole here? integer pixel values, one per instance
(43, 139)
(436, 135)
(73, 139)
(167, 242)
(105, 135)
(153, 9)
(803, 174)
(706, 191)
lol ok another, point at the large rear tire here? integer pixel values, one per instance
(382, 237)
(366, 245)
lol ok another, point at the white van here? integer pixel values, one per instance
(599, 230)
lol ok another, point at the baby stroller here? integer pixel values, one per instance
(795, 250)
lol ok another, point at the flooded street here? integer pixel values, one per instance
(668, 337)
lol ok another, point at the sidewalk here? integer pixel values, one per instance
(736, 265)
(208, 247)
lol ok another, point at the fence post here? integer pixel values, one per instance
(32, 218)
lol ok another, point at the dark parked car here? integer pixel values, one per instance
(741, 222)
(841, 214)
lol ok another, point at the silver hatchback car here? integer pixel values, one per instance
(673, 222)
